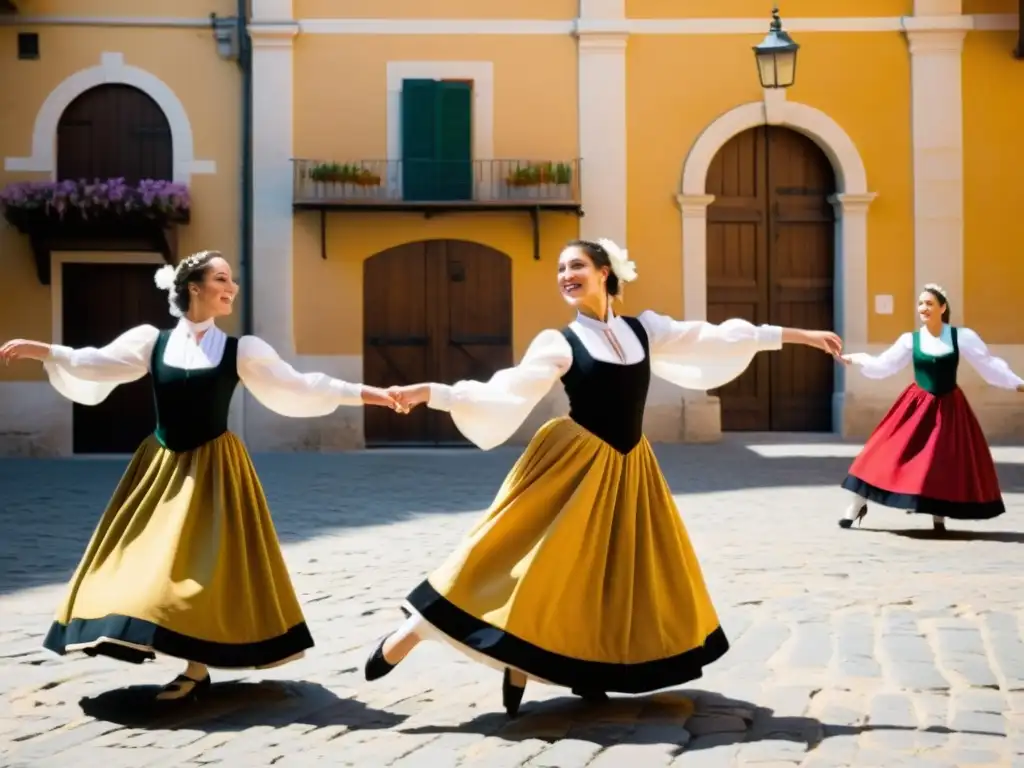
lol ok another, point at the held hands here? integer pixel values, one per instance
(410, 396)
(378, 396)
(23, 349)
(399, 399)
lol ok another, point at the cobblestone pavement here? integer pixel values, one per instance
(882, 647)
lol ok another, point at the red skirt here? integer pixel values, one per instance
(929, 455)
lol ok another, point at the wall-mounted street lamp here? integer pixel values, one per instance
(776, 56)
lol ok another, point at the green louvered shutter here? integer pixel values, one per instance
(455, 140)
(419, 139)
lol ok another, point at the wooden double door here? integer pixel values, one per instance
(771, 259)
(433, 311)
(99, 303)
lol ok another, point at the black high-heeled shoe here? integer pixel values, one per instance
(846, 522)
(376, 665)
(511, 695)
(187, 688)
(593, 697)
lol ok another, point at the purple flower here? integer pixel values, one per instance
(112, 196)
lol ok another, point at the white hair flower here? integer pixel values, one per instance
(623, 268)
(164, 277)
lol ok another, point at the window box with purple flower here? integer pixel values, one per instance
(98, 215)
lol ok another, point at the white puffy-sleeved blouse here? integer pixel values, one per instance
(993, 370)
(88, 375)
(690, 354)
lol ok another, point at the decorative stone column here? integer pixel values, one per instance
(936, 46)
(272, 72)
(272, 31)
(601, 34)
(851, 294)
(702, 413)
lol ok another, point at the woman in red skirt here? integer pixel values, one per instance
(929, 454)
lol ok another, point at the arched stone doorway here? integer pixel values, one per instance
(433, 310)
(112, 131)
(771, 259)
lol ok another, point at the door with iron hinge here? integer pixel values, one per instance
(434, 311)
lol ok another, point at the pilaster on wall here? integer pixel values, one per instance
(272, 103)
(936, 47)
(695, 250)
(602, 118)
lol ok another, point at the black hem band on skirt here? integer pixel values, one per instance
(149, 639)
(483, 638)
(955, 510)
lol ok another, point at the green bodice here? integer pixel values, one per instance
(192, 405)
(936, 374)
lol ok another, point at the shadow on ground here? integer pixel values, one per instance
(683, 720)
(235, 706)
(49, 507)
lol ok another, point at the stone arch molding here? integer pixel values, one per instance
(851, 203)
(111, 69)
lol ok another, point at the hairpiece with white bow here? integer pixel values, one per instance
(623, 268)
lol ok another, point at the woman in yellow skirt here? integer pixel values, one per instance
(185, 561)
(581, 574)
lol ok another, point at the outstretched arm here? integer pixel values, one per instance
(282, 389)
(88, 375)
(994, 370)
(698, 355)
(887, 364)
(489, 412)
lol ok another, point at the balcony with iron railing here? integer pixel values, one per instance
(437, 186)
(440, 183)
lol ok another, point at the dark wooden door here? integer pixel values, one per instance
(113, 131)
(771, 260)
(436, 310)
(100, 302)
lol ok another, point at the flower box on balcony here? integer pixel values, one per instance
(544, 181)
(99, 215)
(341, 180)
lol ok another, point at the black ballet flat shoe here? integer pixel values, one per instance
(848, 523)
(376, 665)
(185, 688)
(593, 697)
(511, 695)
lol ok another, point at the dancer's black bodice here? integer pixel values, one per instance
(607, 399)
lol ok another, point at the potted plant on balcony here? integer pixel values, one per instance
(523, 182)
(560, 176)
(72, 214)
(353, 178)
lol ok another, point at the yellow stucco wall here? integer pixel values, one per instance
(755, 9)
(665, 119)
(178, 9)
(186, 60)
(993, 169)
(534, 118)
(437, 9)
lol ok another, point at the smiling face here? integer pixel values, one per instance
(214, 294)
(579, 281)
(929, 308)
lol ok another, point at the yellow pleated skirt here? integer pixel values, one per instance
(581, 574)
(185, 562)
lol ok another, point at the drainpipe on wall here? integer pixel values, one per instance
(245, 239)
(232, 37)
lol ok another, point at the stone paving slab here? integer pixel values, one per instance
(886, 646)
